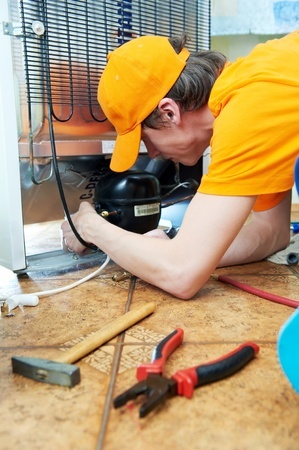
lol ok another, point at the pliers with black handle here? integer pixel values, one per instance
(157, 388)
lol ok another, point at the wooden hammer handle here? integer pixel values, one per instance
(106, 333)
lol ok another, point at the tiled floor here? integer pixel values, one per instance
(253, 409)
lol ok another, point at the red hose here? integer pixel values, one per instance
(258, 292)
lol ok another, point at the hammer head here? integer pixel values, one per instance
(46, 371)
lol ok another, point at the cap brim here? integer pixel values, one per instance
(126, 150)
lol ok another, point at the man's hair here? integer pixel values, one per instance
(193, 87)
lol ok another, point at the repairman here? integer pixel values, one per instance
(178, 103)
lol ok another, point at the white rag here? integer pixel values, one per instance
(281, 256)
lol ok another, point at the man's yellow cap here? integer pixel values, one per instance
(137, 76)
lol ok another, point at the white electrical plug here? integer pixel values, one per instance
(21, 300)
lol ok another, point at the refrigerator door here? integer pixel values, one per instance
(12, 253)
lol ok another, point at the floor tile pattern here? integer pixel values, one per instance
(256, 408)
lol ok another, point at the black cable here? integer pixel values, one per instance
(178, 200)
(60, 187)
(53, 146)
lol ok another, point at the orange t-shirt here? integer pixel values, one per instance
(255, 143)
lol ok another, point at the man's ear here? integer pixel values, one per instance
(170, 111)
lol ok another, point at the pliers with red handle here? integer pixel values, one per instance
(158, 388)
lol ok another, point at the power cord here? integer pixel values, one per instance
(32, 299)
(60, 187)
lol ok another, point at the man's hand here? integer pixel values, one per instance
(69, 240)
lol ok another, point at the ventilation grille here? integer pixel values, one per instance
(66, 43)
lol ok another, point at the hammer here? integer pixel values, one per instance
(62, 371)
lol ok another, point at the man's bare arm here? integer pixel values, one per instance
(181, 265)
